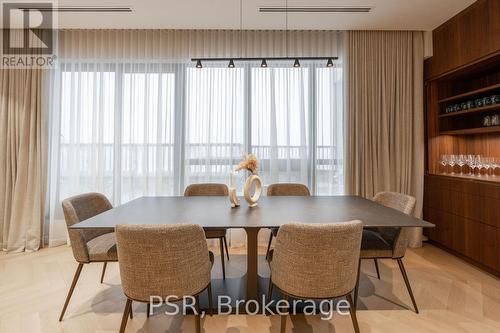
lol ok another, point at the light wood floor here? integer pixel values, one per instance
(452, 296)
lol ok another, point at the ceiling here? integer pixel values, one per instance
(225, 14)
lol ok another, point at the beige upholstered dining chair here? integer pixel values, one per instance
(284, 189)
(88, 245)
(163, 260)
(316, 261)
(388, 243)
(210, 189)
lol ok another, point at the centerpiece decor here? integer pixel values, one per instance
(251, 164)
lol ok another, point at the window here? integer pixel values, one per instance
(215, 132)
(86, 132)
(329, 172)
(124, 153)
(147, 135)
(151, 129)
(280, 123)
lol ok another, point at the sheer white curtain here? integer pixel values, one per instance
(112, 131)
(131, 116)
(215, 123)
(296, 122)
(280, 123)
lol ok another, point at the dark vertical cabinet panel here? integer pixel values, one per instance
(467, 218)
(471, 35)
(488, 249)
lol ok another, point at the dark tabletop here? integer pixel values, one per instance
(216, 212)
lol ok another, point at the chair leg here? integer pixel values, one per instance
(221, 245)
(131, 311)
(210, 299)
(376, 267)
(225, 245)
(103, 271)
(197, 317)
(356, 289)
(283, 319)
(407, 282)
(71, 289)
(148, 309)
(269, 244)
(270, 290)
(126, 311)
(352, 311)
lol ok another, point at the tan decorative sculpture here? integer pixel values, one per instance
(250, 163)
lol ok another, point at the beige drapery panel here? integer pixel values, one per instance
(184, 44)
(384, 115)
(22, 160)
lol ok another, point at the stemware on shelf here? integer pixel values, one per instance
(451, 162)
(443, 161)
(470, 161)
(473, 162)
(460, 160)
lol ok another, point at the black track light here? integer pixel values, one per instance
(263, 64)
(296, 63)
(329, 63)
(198, 64)
(231, 63)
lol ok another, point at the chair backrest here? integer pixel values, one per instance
(80, 208)
(207, 189)
(317, 260)
(162, 260)
(398, 236)
(288, 189)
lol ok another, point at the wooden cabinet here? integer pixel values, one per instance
(468, 37)
(467, 218)
(465, 67)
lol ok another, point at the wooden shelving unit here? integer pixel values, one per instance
(466, 122)
(481, 178)
(472, 111)
(470, 93)
(479, 130)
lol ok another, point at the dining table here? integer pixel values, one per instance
(213, 212)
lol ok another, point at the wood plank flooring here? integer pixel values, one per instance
(452, 295)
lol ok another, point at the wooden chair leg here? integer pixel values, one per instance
(197, 317)
(356, 289)
(148, 309)
(70, 292)
(103, 271)
(221, 245)
(269, 244)
(131, 311)
(407, 282)
(227, 249)
(126, 311)
(376, 267)
(283, 319)
(352, 311)
(210, 299)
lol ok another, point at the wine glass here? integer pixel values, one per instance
(443, 161)
(470, 161)
(479, 164)
(495, 165)
(451, 162)
(460, 160)
(486, 165)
